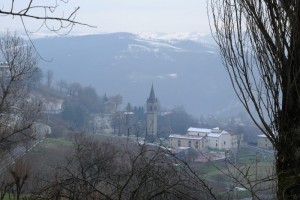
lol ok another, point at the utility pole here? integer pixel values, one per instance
(256, 161)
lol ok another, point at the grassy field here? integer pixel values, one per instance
(58, 141)
(249, 168)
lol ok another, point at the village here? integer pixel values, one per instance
(207, 144)
(220, 122)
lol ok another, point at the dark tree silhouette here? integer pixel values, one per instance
(260, 45)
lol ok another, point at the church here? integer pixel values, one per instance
(152, 111)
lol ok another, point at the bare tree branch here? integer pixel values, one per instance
(259, 43)
(45, 12)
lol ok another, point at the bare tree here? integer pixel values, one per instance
(62, 85)
(18, 109)
(260, 45)
(47, 12)
(121, 170)
(257, 180)
(117, 100)
(14, 181)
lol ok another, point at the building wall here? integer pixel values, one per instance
(213, 142)
(264, 142)
(224, 142)
(197, 144)
(194, 133)
(234, 141)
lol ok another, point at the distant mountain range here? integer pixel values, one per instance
(184, 71)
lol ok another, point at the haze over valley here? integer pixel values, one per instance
(185, 70)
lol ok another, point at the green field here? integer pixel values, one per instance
(247, 171)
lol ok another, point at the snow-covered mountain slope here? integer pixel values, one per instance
(184, 72)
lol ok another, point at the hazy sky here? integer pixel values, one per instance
(132, 16)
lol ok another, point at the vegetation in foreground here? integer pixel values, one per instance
(82, 166)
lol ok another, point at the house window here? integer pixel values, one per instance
(197, 144)
(190, 143)
(179, 143)
(216, 144)
(202, 144)
(224, 143)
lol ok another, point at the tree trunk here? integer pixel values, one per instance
(288, 150)
(288, 162)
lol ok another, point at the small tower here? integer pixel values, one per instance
(152, 114)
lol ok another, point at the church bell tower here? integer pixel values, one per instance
(152, 114)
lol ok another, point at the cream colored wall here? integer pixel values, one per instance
(213, 142)
(224, 142)
(184, 142)
(152, 123)
(264, 142)
(201, 134)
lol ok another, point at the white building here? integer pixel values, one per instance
(215, 138)
(264, 142)
(222, 140)
(195, 142)
(203, 132)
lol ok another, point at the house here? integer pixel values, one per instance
(215, 138)
(221, 140)
(202, 138)
(179, 141)
(264, 142)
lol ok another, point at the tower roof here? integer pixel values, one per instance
(152, 98)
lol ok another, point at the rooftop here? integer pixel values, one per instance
(214, 132)
(185, 137)
(201, 130)
(152, 98)
(262, 136)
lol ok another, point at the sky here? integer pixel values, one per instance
(136, 16)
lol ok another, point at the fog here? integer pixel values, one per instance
(184, 72)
